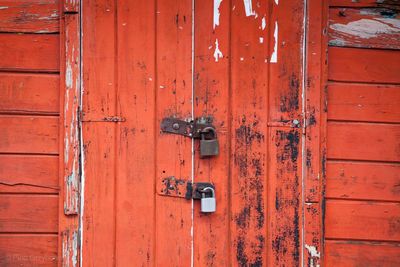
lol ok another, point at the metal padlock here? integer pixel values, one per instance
(208, 204)
(209, 147)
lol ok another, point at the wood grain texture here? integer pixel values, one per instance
(29, 213)
(363, 141)
(362, 220)
(363, 102)
(366, 28)
(30, 52)
(28, 93)
(364, 3)
(28, 174)
(364, 65)
(28, 250)
(135, 237)
(363, 180)
(29, 134)
(29, 16)
(353, 254)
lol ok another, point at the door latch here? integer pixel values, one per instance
(200, 128)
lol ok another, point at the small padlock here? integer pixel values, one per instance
(208, 204)
(209, 147)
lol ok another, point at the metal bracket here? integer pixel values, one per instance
(188, 128)
(175, 187)
(195, 190)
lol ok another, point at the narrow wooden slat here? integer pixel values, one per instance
(363, 102)
(363, 141)
(28, 250)
(365, 3)
(29, 134)
(366, 28)
(135, 238)
(29, 16)
(363, 180)
(29, 174)
(364, 65)
(173, 156)
(29, 213)
(211, 92)
(29, 93)
(353, 254)
(29, 52)
(362, 220)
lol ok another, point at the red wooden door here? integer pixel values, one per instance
(240, 62)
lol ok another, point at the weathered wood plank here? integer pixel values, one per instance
(366, 28)
(29, 213)
(362, 220)
(363, 102)
(28, 250)
(29, 93)
(364, 65)
(29, 16)
(29, 134)
(28, 174)
(365, 3)
(363, 141)
(32, 52)
(363, 180)
(354, 253)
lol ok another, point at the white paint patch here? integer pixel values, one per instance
(68, 77)
(312, 250)
(277, 2)
(394, 22)
(248, 8)
(217, 3)
(261, 40)
(365, 28)
(217, 53)
(274, 56)
(263, 23)
(3, 7)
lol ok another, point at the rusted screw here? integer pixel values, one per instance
(175, 126)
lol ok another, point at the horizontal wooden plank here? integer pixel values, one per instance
(363, 180)
(365, 3)
(29, 213)
(29, 93)
(363, 102)
(364, 65)
(29, 16)
(362, 220)
(34, 52)
(28, 174)
(363, 141)
(365, 27)
(29, 134)
(28, 250)
(355, 254)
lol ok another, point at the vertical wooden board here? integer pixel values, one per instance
(249, 103)
(173, 156)
(366, 28)
(29, 134)
(364, 102)
(99, 102)
(364, 65)
(354, 254)
(363, 141)
(135, 185)
(28, 93)
(29, 213)
(363, 180)
(33, 52)
(211, 98)
(98, 228)
(285, 94)
(29, 16)
(284, 200)
(362, 220)
(30, 174)
(313, 238)
(28, 250)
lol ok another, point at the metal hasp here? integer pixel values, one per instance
(205, 192)
(200, 128)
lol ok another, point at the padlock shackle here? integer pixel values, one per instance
(207, 130)
(209, 188)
